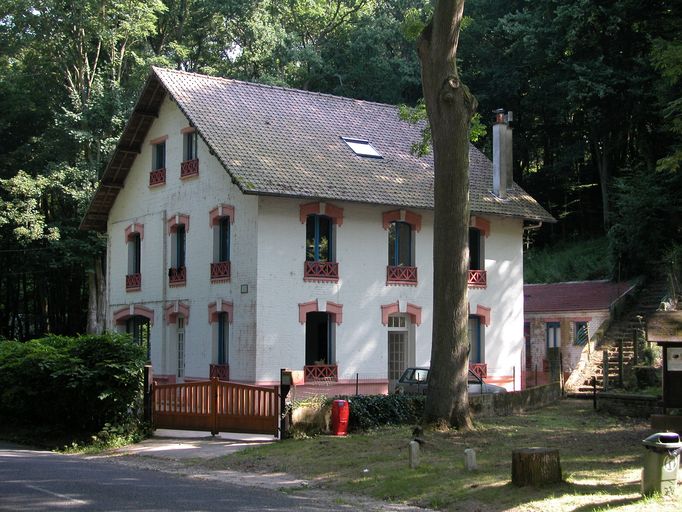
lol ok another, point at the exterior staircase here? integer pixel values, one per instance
(647, 300)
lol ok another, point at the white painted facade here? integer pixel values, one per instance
(267, 254)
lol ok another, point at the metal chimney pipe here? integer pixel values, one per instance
(502, 153)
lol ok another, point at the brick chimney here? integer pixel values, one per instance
(502, 153)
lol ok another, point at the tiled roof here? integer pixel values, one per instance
(286, 142)
(573, 296)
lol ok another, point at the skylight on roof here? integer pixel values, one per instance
(362, 147)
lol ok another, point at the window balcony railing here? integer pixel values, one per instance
(177, 276)
(157, 177)
(133, 282)
(219, 371)
(189, 168)
(480, 369)
(220, 271)
(401, 275)
(321, 372)
(477, 279)
(321, 271)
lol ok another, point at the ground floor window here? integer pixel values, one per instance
(553, 334)
(476, 354)
(319, 339)
(223, 339)
(138, 328)
(581, 334)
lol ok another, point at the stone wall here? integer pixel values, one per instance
(505, 404)
(634, 406)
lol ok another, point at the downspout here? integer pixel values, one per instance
(164, 292)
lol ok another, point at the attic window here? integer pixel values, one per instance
(362, 147)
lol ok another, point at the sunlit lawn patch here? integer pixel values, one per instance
(601, 458)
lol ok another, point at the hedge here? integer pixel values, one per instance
(76, 384)
(372, 411)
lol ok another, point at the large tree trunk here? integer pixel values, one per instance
(450, 107)
(96, 298)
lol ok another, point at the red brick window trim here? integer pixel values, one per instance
(220, 211)
(188, 129)
(220, 306)
(481, 224)
(484, 313)
(319, 208)
(158, 140)
(410, 217)
(334, 309)
(414, 311)
(176, 309)
(134, 228)
(175, 220)
(123, 314)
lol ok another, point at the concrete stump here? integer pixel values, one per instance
(535, 466)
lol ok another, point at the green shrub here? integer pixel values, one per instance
(368, 412)
(580, 260)
(71, 384)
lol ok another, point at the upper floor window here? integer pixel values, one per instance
(319, 246)
(190, 163)
(157, 176)
(133, 236)
(178, 226)
(319, 253)
(401, 226)
(477, 275)
(400, 244)
(159, 155)
(220, 267)
(189, 149)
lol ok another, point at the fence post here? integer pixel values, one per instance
(605, 369)
(514, 378)
(357, 384)
(561, 373)
(620, 362)
(536, 375)
(594, 392)
(147, 396)
(214, 405)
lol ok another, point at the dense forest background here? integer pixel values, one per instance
(595, 87)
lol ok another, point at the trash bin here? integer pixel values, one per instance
(340, 414)
(661, 460)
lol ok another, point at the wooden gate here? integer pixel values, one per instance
(215, 406)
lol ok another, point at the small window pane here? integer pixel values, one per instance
(159, 156)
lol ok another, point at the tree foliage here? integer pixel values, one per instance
(594, 86)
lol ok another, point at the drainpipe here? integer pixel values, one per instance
(164, 293)
(502, 153)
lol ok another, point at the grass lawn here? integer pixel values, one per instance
(601, 459)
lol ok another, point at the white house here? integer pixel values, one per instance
(253, 228)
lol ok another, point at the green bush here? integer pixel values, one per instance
(75, 384)
(579, 260)
(368, 412)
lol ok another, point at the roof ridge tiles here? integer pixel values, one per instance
(276, 87)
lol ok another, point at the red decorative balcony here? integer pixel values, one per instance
(321, 372)
(477, 279)
(401, 275)
(220, 371)
(133, 282)
(480, 369)
(189, 168)
(220, 271)
(321, 271)
(177, 276)
(157, 177)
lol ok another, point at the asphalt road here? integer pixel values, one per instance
(40, 480)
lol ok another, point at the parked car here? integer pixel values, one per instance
(415, 380)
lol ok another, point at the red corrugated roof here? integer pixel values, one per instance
(573, 296)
